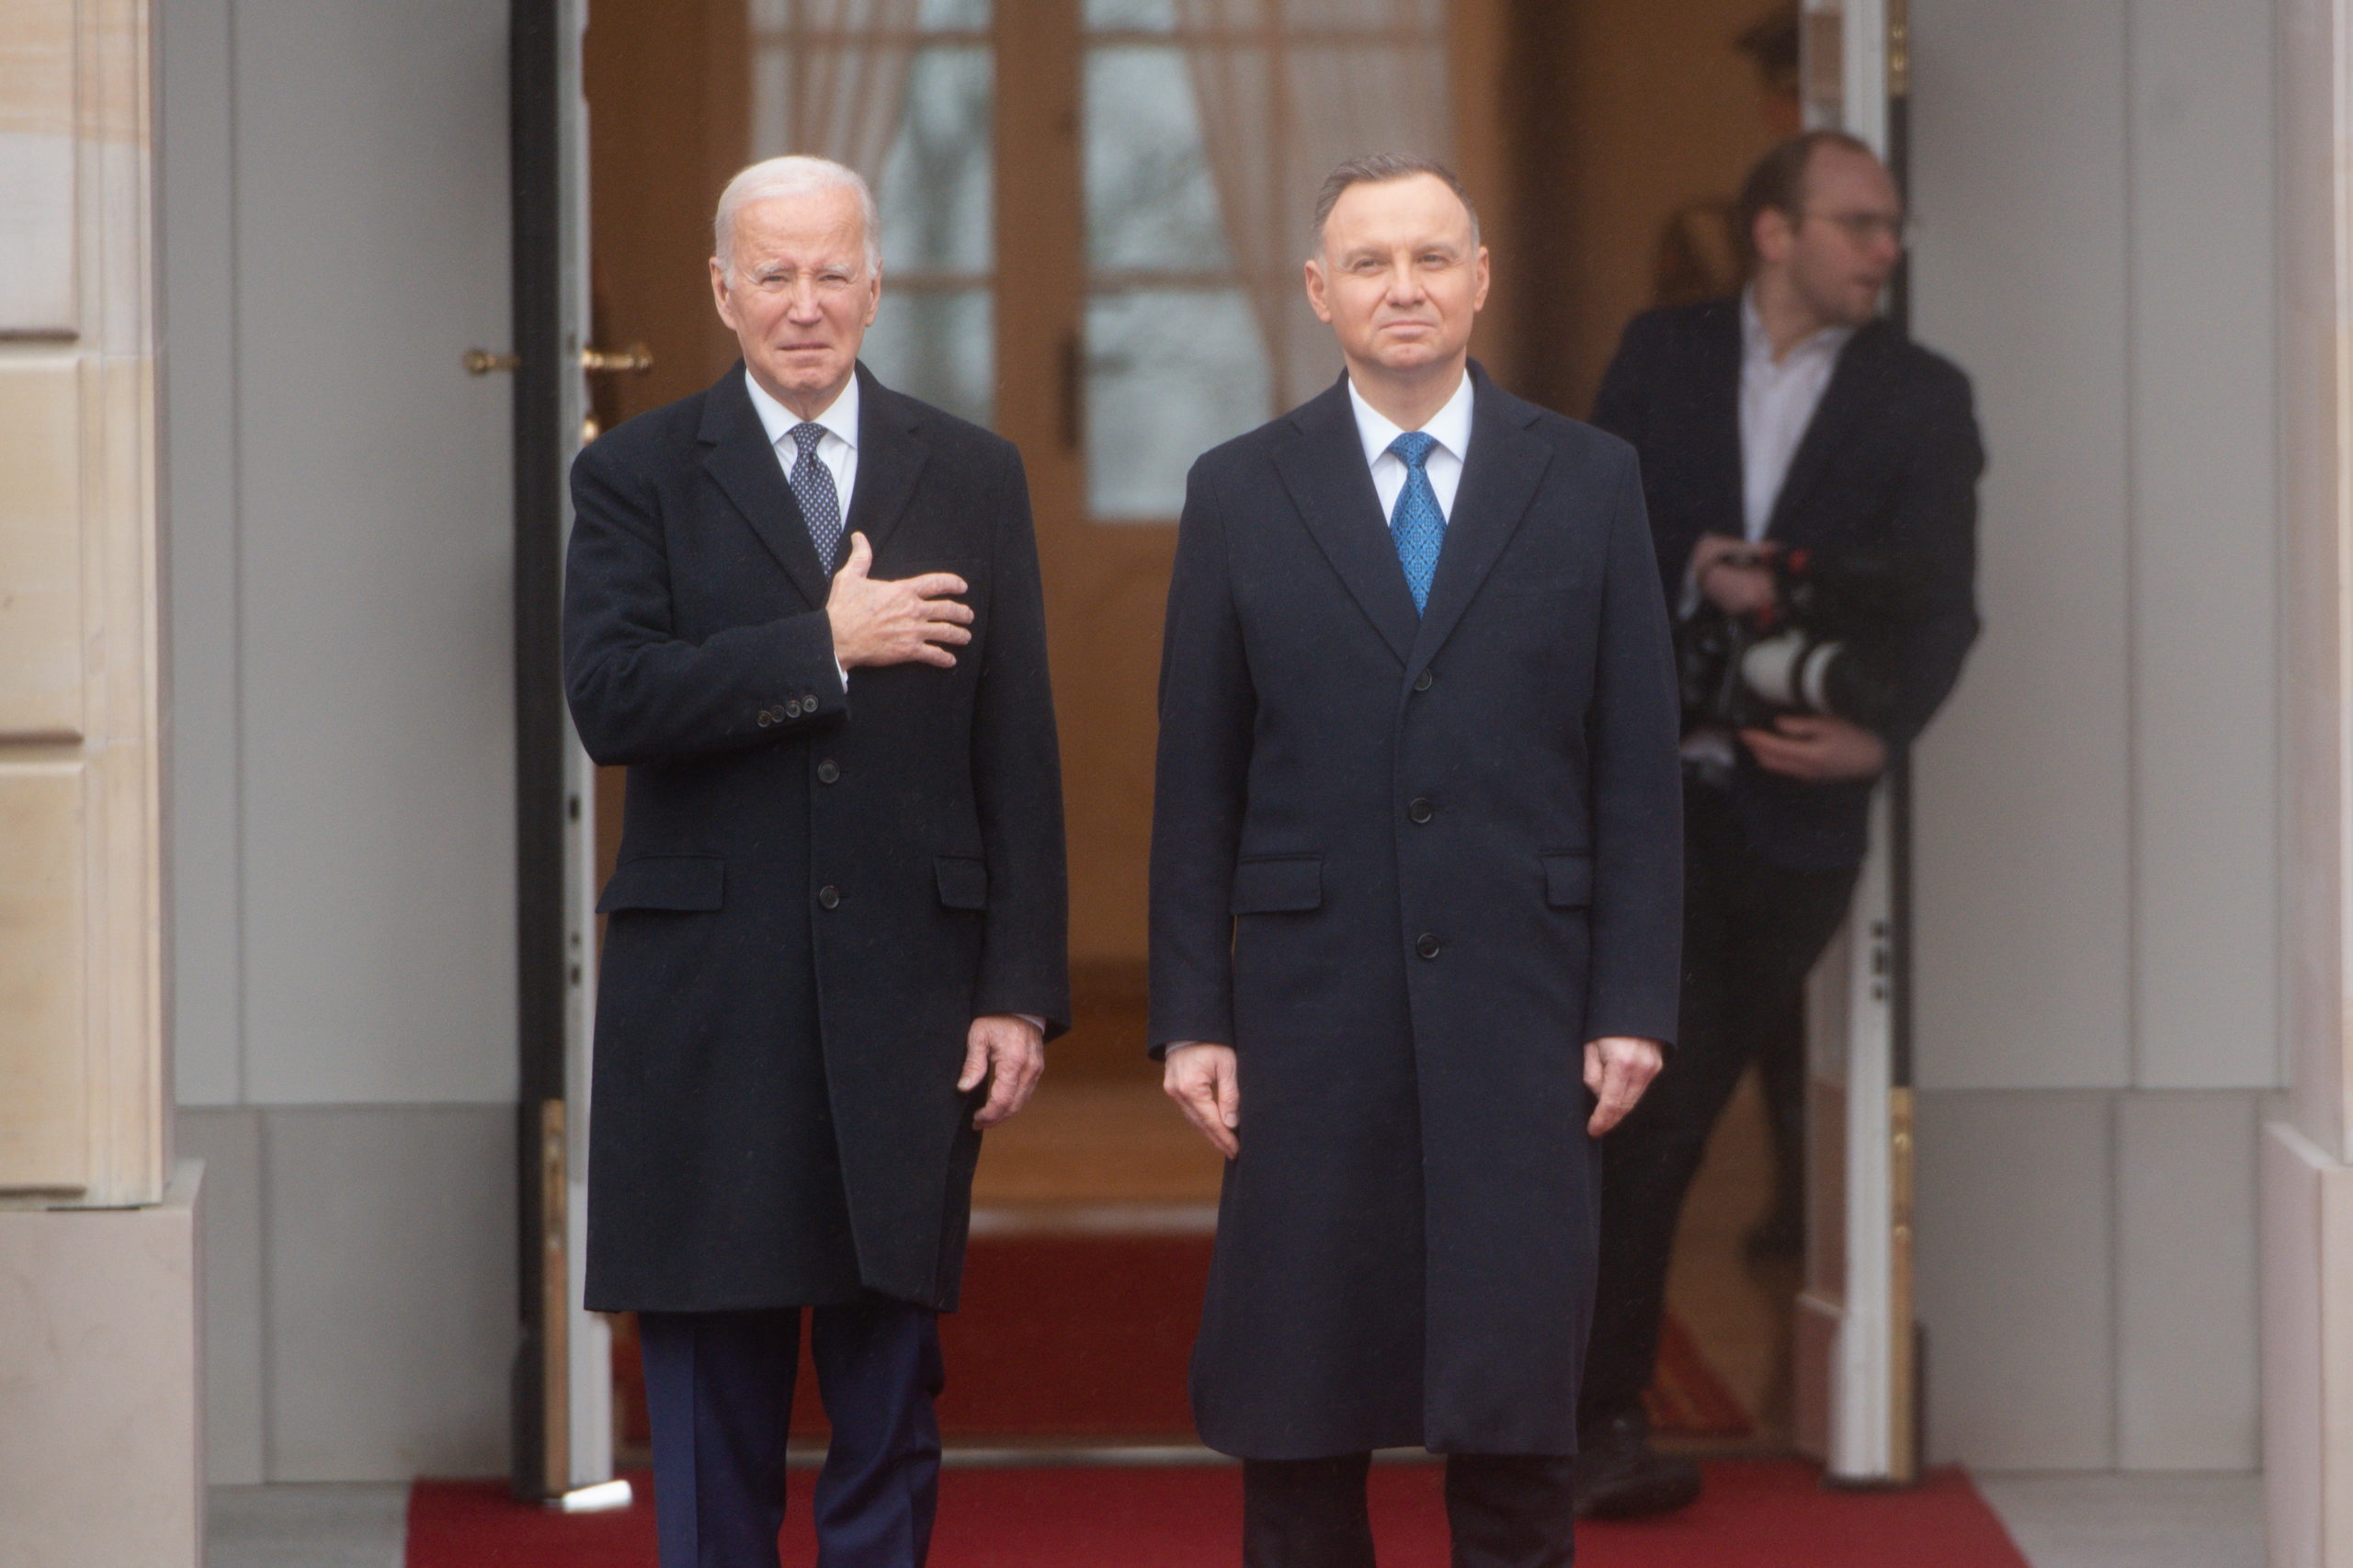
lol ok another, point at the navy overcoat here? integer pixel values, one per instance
(818, 890)
(1407, 866)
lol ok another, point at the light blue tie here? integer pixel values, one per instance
(1417, 526)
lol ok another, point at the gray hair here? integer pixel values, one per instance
(1380, 169)
(796, 174)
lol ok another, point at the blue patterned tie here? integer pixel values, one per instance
(1417, 526)
(821, 504)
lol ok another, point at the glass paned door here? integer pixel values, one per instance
(904, 92)
(1175, 361)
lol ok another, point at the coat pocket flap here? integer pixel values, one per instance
(964, 881)
(666, 882)
(1273, 886)
(1568, 881)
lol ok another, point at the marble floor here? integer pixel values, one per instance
(2059, 1521)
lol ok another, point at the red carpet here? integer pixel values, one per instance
(1756, 1514)
(1089, 1337)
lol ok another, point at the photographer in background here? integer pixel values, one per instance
(1810, 476)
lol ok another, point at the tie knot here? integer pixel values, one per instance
(1413, 447)
(806, 435)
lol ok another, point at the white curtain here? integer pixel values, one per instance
(1287, 89)
(832, 77)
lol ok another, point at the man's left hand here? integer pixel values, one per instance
(1617, 1068)
(1820, 749)
(1010, 1052)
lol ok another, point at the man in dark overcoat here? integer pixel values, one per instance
(1415, 898)
(806, 611)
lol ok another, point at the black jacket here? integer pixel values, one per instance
(1889, 464)
(817, 892)
(1407, 867)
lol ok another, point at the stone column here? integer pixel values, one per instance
(2307, 1172)
(99, 1462)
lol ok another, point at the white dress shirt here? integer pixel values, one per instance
(837, 448)
(1778, 398)
(1449, 427)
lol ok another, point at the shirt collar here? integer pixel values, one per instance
(1450, 426)
(1757, 346)
(840, 419)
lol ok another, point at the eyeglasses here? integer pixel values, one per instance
(1862, 228)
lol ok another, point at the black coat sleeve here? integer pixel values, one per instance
(1201, 784)
(1934, 527)
(1016, 782)
(1637, 793)
(639, 692)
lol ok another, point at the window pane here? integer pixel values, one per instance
(1149, 201)
(936, 186)
(1170, 373)
(940, 345)
(1140, 16)
(858, 15)
(952, 16)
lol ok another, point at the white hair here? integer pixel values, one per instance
(796, 174)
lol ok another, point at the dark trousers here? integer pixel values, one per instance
(719, 1387)
(1751, 931)
(1503, 1510)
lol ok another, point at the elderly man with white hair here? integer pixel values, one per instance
(805, 611)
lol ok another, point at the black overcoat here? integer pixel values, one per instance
(1889, 464)
(817, 889)
(1407, 868)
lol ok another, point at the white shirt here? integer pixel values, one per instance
(836, 448)
(1776, 402)
(1449, 427)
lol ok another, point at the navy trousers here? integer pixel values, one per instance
(719, 1387)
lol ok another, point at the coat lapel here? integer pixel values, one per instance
(1500, 473)
(1325, 470)
(737, 455)
(1716, 390)
(890, 457)
(1844, 402)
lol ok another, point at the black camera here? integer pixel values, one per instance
(1825, 646)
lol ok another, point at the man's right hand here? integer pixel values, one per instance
(912, 620)
(1731, 575)
(1203, 1080)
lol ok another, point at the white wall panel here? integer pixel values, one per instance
(196, 283)
(2023, 839)
(2205, 526)
(2014, 1225)
(229, 1142)
(2186, 1282)
(375, 480)
(390, 1290)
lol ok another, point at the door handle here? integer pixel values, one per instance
(634, 361)
(481, 361)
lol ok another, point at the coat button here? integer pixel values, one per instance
(764, 719)
(793, 709)
(1429, 947)
(826, 772)
(1421, 811)
(1424, 681)
(829, 897)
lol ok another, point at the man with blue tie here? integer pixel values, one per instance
(1415, 898)
(805, 611)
